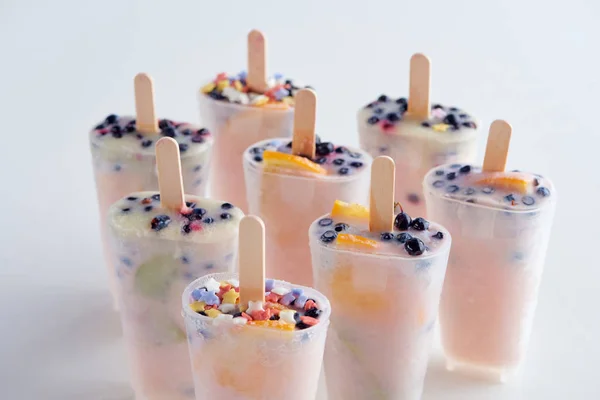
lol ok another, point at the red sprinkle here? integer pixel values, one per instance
(261, 315)
(274, 311)
(221, 77)
(244, 315)
(310, 321)
(209, 307)
(309, 304)
(273, 297)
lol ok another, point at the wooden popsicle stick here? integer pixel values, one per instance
(252, 259)
(305, 115)
(170, 183)
(419, 105)
(381, 214)
(257, 62)
(496, 151)
(145, 120)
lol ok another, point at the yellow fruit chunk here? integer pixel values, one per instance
(355, 241)
(273, 324)
(440, 127)
(222, 84)
(349, 211)
(513, 182)
(209, 87)
(290, 161)
(197, 306)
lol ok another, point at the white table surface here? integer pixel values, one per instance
(67, 64)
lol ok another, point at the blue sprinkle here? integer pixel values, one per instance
(280, 94)
(210, 298)
(209, 266)
(269, 285)
(278, 75)
(198, 293)
(117, 167)
(297, 291)
(242, 75)
(287, 299)
(184, 260)
(126, 261)
(301, 301)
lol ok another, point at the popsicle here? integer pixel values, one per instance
(251, 338)
(290, 183)
(123, 156)
(416, 135)
(500, 223)
(389, 270)
(243, 109)
(161, 243)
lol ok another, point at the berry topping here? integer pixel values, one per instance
(328, 236)
(340, 227)
(465, 169)
(160, 222)
(403, 237)
(528, 200)
(402, 221)
(324, 149)
(451, 176)
(452, 189)
(542, 191)
(226, 206)
(414, 246)
(387, 236)
(438, 235)
(420, 224)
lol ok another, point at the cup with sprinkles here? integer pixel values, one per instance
(291, 182)
(124, 161)
(416, 134)
(251, 337)
(242, 109)
(162, 241)
(500, 223)
(389, 270)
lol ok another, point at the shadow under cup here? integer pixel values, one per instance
(245, 362)
(235, 127)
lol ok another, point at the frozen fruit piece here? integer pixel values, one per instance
(198, 306)
(509, 182)
(230, 297)
(290, 161)
(213, 313)
(154, 277)
(273, 324)
(350, 211)
(355, 241)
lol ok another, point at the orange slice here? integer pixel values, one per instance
(355, 241)
(290, 161)
(502, 181)
(273, 324)
(350, 211)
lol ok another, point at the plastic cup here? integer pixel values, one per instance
(243, 362)
(235, 127)
(289, 203)
(494, 273)
(123, 166)
(384, 311)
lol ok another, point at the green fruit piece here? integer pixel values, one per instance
(154, 277)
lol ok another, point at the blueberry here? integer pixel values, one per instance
(413, 198)
(414, 246)
(452, 189)
(289, 145)
(343, 171)
(146, 143)
(354, 155)
(126, 210)
(197, 139)
(387, 236)
(186, 228)
(164, 124)
(425, 124)
(455, 166)
(403, 237)
(324, 149)
(438, 184)
(226, 206)
(328, 236)
(116, 133)
(451, 176)
(393, 117)
(378, 110)
(117, 167)
(543, 191)
(160, 222)
(202, 132)
(208, 220)
(111, 119)
(356, 164)
(469, 125)
(190, 204)
(325, 222)
(256, 150)
(258, 158)
(401, 100)
(469, 191)
(156, 197)
(197, 168)
(528, 200)
(131, 128)
(148, 208)
(341, 150)
(170, 132)
(439, 235)
(225, 216)
(183, 147)
(463, 116)
(433, 107)
(383, 98)
(488, 190)
(402, 221)
(372, 120)
(321, 160)
(371, 105)
(99, 127)
(465, 169)
(341, 227)
(420, 224)
(132, 198)
(313, 313)
(450, 119)
(237, 314)
(274, 318)
(509, 197)
(196, 214)
(439, 172)
(186, 132)
(301, 325)
(338, 161)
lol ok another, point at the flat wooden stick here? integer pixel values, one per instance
(496, 151)
(381, 214)
(305, 114)
(257, 62)
(252, 259)
(170, 183)
(145, 120)
(419, 105)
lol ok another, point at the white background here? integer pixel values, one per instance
(67, 64)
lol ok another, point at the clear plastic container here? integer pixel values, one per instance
(235, 127)
(244, 362)
(384, 311)
(494, 273)
(288, 204)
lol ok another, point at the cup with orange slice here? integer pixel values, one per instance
(383, 274)
(500, 222)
